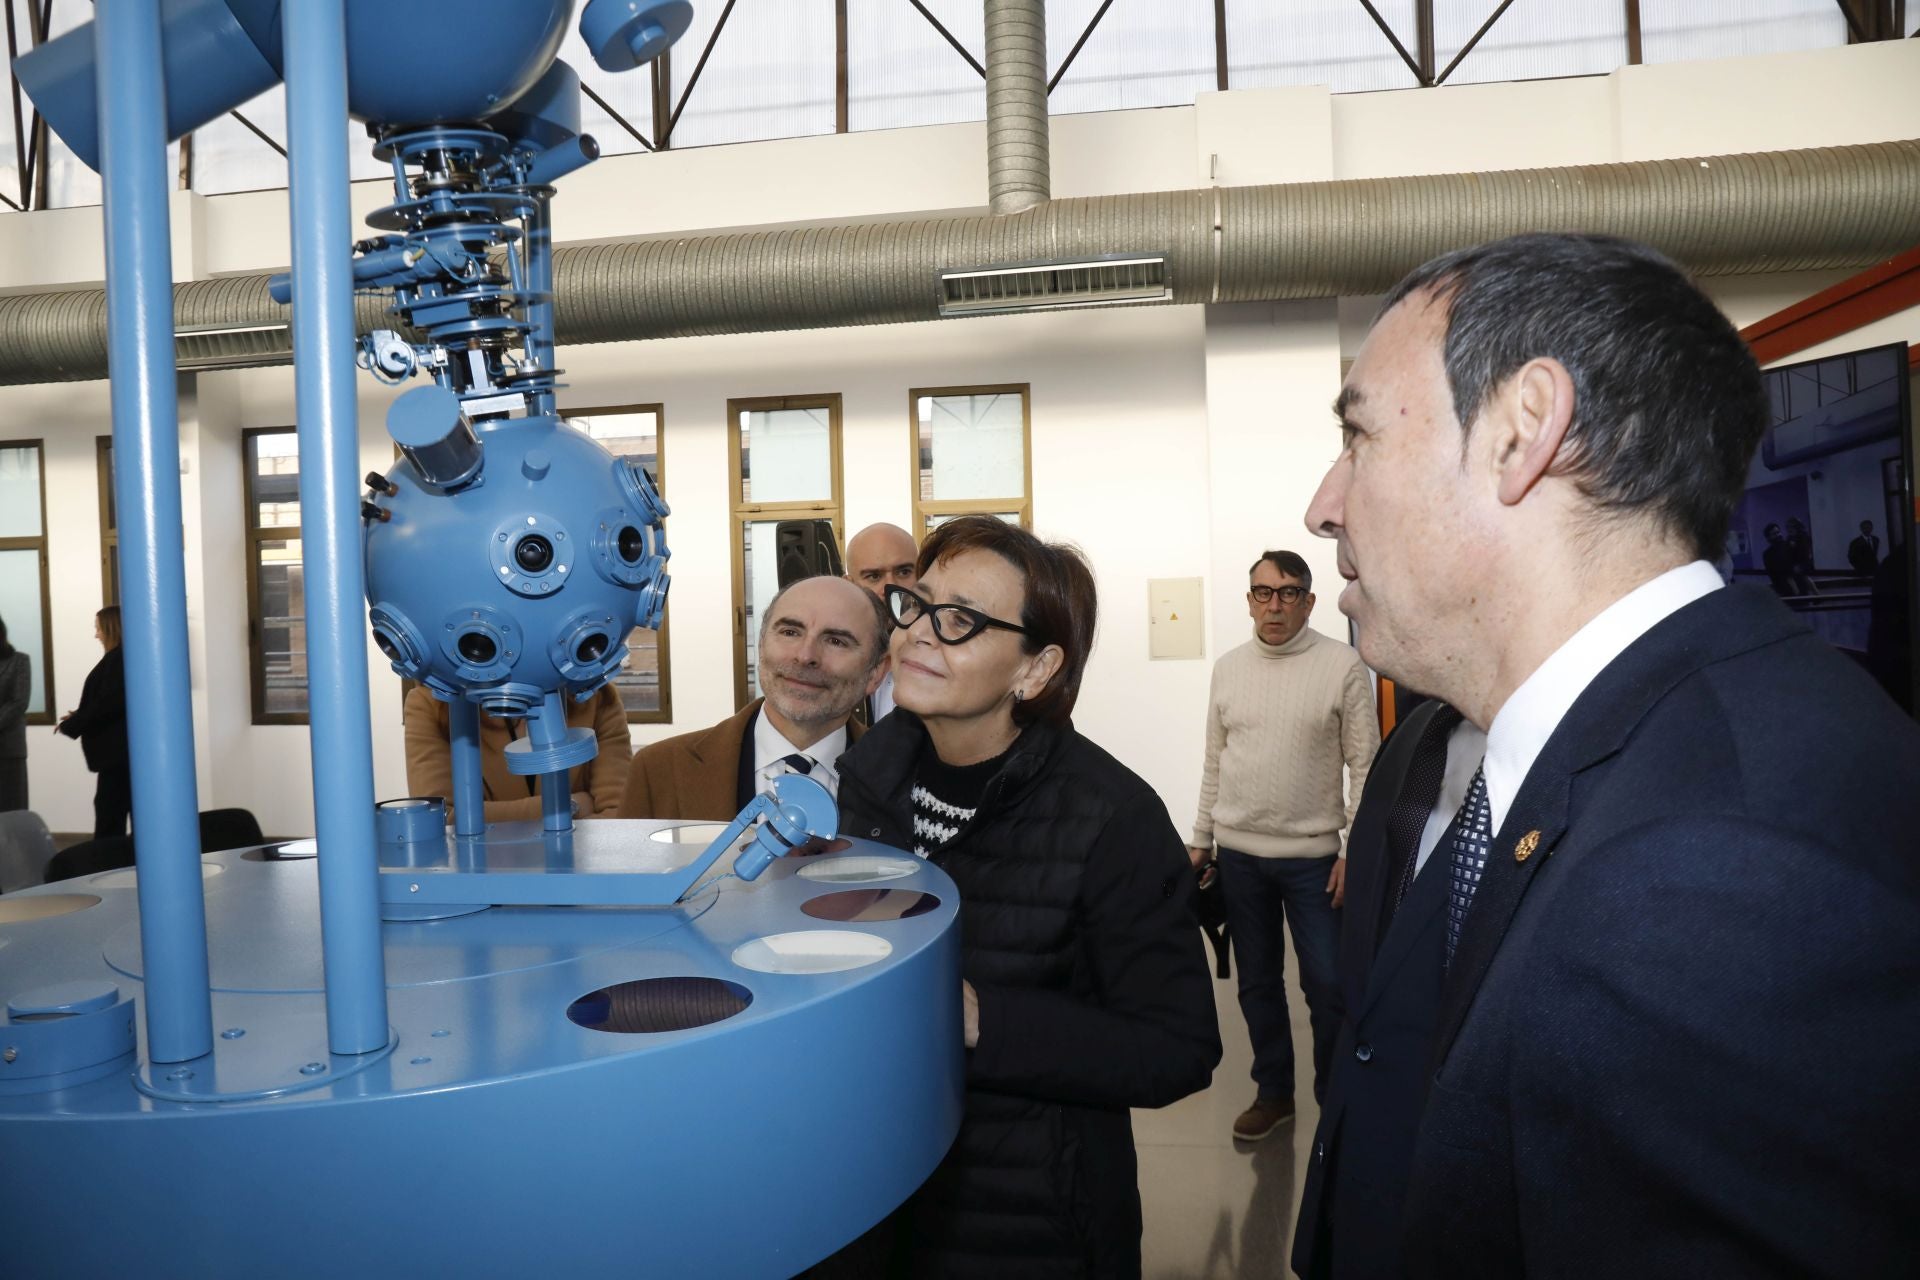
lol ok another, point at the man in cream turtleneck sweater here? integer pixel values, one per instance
(1286, 712)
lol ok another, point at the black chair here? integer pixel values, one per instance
(108, 853)
(222, 829)
(26, 846)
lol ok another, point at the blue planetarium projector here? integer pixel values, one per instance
(633, 1048)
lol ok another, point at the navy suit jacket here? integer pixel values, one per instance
(1681, 1035)
(1390, 975)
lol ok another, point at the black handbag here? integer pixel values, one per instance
(1210, 908)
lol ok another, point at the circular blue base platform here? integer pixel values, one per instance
(499, 1135)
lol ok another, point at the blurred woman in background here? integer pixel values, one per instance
(100, 722)
(16, 690)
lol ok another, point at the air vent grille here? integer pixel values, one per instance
(1041, 285)
(230, 346)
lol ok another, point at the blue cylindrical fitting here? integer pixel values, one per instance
(436, 435)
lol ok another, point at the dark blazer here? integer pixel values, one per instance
(1390, 975)
(100, 721)
(698, 776)
(1681, 1036)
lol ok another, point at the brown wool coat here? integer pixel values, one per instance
(694, 777)
(597, 785)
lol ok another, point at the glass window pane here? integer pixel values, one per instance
(1677, 30)
(792, 450)
(901, 72)
(228, 156)
(275, 464)
(934, 522)
(1530, 42)
(1330, 42)
(633, 435)
(972, 446)
(20, 492)
(283, 627)
(638, 679)
(771, 74)
(1141, 55)
(760, 555)
(20, 608)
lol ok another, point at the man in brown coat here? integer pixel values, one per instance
(596, 785)
(823, 649)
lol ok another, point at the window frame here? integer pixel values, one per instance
(109, 522)
(924, 510)
(257, 534)
(741, 513)
(659, 411)
(39, 544)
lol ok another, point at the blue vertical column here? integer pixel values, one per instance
(469, 799)
(547, 730)
(146, 456)
(314, 39)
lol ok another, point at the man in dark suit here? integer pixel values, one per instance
(1679, 1019)
(1392, 963)
(1863, 553)
(822, 649)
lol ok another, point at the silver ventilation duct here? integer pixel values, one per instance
(1825, 208)
(1018, 164)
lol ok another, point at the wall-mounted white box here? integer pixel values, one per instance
(1174, 627)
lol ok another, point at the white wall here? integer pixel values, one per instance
(1167, 442)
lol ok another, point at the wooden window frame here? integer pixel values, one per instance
(109, 527)
(833, 510)
(39, 544)
(257, 534)
(924, 510)
(659, 411)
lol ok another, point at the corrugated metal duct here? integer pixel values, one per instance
(1019, 173)
(1830, 207)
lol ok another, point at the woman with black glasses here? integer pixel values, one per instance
(1086, 991)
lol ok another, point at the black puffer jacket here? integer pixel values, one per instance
(1094, 997)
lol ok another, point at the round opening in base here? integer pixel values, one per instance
(659, 1004)
(869, 906)
(812, 951)
(859, 869)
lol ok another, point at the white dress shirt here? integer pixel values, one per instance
(882, 700)
(771, 748)
(1465, 747)
(1521, 728)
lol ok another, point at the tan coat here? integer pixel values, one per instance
(597, 785)
(694, 777)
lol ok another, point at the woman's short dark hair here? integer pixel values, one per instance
(109, 620)
(1668, 405)
(1060, 605)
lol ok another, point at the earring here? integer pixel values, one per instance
(1016, 697)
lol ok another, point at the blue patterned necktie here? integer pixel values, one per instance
(797, 763)
(1467, 839)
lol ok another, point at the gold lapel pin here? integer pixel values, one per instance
(1528, 843)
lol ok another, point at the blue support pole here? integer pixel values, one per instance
(146, 451)
(314, 39)
(547, 727)
(469, 803)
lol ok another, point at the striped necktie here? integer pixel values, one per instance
(1467, 839)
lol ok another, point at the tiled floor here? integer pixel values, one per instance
(1215, 1208)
